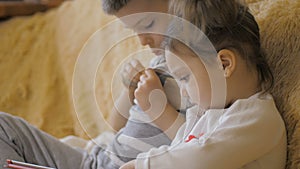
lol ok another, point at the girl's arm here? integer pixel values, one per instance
(128, 165)
(252, 136)
(152, 99)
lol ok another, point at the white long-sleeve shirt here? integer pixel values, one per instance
(250, 134)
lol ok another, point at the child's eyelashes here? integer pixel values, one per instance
(150, 25)
(181, 75)
(145, 26)
(185, 78)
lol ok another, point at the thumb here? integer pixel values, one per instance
(150, 72)
(128, 165)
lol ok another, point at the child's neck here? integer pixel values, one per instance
(241, 85)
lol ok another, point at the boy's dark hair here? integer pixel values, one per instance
(113, 6)
(228, 24)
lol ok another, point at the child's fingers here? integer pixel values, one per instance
(125, 78)
(150, 72)
(143, 77)
(129, 83)
(137, 65)
(131, 73)
(134, 67)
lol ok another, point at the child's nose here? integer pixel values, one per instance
(184, 92)
(145, 40)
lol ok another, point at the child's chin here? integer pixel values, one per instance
(157, 52)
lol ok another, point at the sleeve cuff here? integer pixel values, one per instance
(142, 161)
(173, 129)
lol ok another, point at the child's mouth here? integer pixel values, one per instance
(157, 52)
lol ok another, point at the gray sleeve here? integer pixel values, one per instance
(23, 142)
(136, 137)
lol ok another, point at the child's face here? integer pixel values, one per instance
(190, 72)
(146, 22)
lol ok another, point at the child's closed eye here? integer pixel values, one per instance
(184, 78)
(150, 24)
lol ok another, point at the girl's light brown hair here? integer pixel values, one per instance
(228, 24)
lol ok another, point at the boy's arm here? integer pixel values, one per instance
(120, 111)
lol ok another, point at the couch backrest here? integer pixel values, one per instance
(279, 23)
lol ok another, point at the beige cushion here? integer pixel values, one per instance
(279, 23)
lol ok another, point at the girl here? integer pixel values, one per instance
(247, 131)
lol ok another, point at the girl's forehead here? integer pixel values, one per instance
(175, 62)
(182, 60)
(181, 50)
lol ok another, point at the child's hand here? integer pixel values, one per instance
(150, 95)
(130, 76)
(128, 165)
(132, 72)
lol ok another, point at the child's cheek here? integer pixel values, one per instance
(193, 91)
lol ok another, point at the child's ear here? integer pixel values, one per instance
(228, 60)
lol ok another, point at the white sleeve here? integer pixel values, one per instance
(239, 139)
